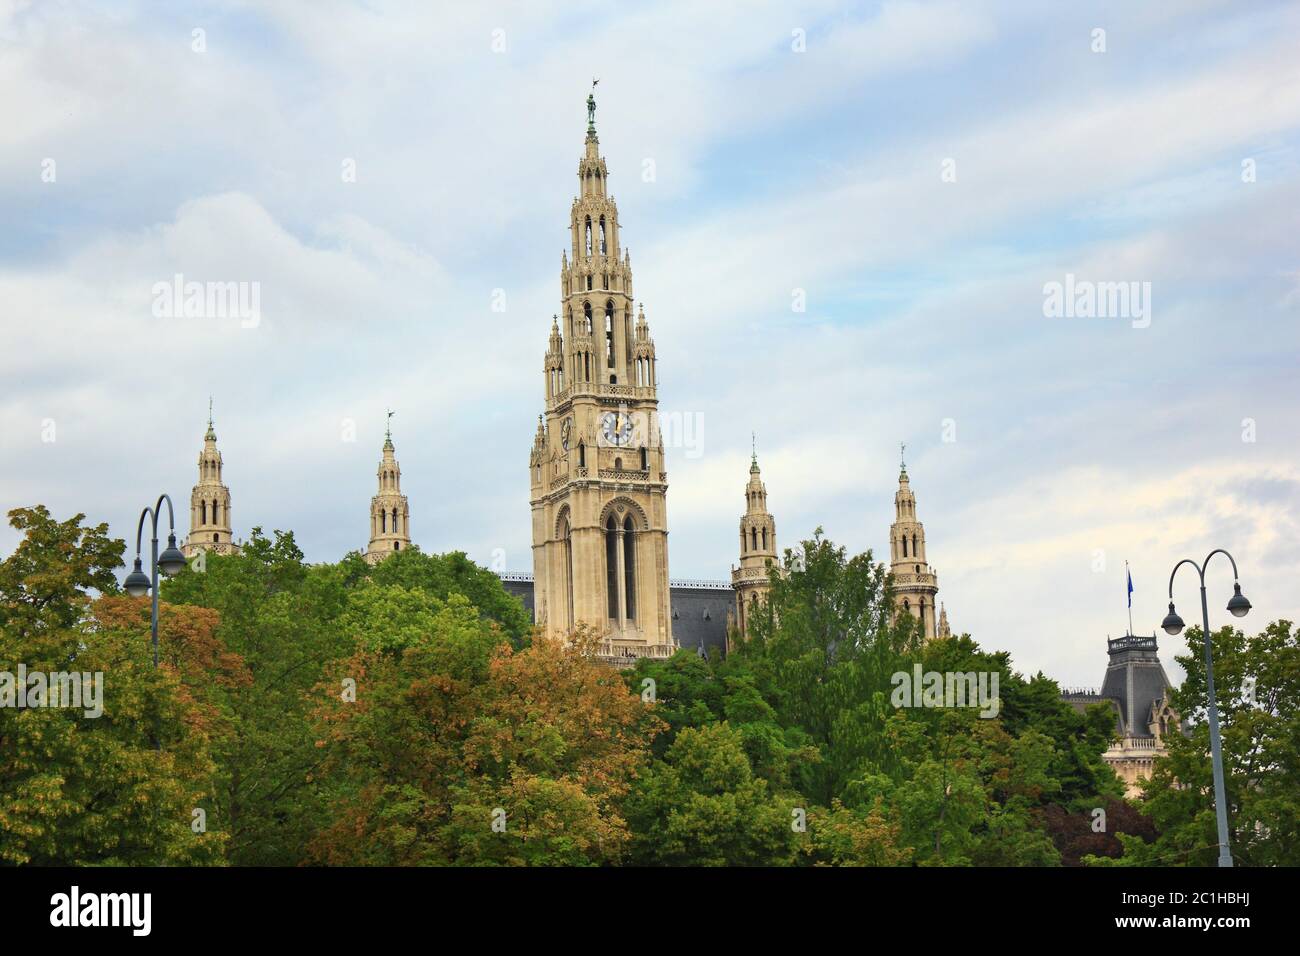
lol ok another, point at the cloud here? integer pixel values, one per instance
(775, 171)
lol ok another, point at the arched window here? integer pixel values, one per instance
(586, 314)
(914, 551)
(629, 567)
(582, 455)
(609, 333)
(645, 459)
(602, 235)
(753, 539)
(383, 521)
(764, 539)
(618, 464)
(216, 538)
(203, 512)
(397, 546)
(566, 534)
(394, 521)
(611, 566)
(588, 236)
(921, 607)
(904, 545)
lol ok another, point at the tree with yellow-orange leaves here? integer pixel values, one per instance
(448, 746)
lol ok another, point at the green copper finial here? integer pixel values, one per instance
(212, 434)
(591, 107)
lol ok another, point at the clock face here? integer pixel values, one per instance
(566, 431)
(616, 428)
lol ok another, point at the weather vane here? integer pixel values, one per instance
(388, 431)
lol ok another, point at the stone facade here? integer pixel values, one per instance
(598, 486)
(209, 503)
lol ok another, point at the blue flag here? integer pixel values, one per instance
(1129, 575)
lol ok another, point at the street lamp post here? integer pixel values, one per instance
(1238, 606)
(169, 562)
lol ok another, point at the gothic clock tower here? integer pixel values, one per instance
(597, 477)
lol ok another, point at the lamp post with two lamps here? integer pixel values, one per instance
(170, 562)
(1238, 606)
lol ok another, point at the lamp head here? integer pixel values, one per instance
(1238, 606)
(171, 561)
(137, 583)
(1173, 624)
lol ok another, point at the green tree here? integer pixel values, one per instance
(118, 788)
(701, 805)
(823, 654)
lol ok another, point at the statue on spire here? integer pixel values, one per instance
(388, 430)
(902, 457)
(591, 106)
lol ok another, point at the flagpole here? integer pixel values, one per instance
(1128, 584)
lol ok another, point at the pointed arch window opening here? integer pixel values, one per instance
(629, 567)
(588, 231)
(609, 333)
(611, 567)
(568, 569)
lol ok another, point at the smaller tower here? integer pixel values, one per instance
(209, 503)
(944, 629)
(751, 579)
(915, 583)
(390, 525)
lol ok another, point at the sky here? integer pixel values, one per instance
(844, 220)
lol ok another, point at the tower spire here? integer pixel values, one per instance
(209, 502)
(751, 578)
(597, 478)
(915, 582)
(390, 514)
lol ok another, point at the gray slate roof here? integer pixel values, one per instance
(699, 608)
